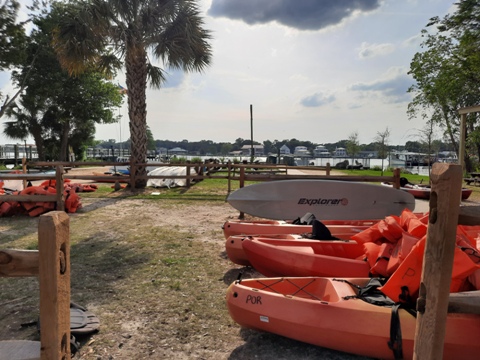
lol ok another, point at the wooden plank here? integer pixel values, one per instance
(469, 109)
(469, 215)
(15, 263)
(54, 278)
(19, 350)
(464, 302)
(432, 303)
(29, 177)
(31, 198)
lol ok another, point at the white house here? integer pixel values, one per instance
(301, 150)
(257, 150)
(284, 150)
(340, 152)
(321, 151)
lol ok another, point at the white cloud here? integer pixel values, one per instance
(372, 50)
(317, 99)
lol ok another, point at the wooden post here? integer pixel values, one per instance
(396, 176)
(59, 188)
(241, 181)
(241, 184)
(24, 170)
(229, 172)
(328, 169)
(432, 303)
(187, 171)
(54, 278)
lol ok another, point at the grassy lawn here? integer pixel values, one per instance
(413, 178)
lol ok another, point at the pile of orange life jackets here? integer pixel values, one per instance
(394, 249)
(36, 208)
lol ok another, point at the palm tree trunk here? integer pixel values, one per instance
(64, 141)
(36, 131)
(136, 66)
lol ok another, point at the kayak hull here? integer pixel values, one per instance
(313, 310)
(272, 258)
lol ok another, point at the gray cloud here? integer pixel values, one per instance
(303, 14)
(317, 100)
(395, 89)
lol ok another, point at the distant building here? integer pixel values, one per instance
(301, 150)
(321, 151)
(340, 152)
(162, 151)
(177, 151)
(285, 150)
(258, 150)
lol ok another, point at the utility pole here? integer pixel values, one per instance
(251, 134)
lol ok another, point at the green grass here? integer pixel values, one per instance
(413, 178)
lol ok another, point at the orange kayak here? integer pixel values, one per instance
(276, 257)
(264, 227)
(316, 311)
(234, 244)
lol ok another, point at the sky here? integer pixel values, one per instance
(313, 70)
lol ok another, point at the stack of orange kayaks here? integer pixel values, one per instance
(326, 312)
(235, 233)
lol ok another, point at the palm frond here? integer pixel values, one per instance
(156, 75)
(183, 44)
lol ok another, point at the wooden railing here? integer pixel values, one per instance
(234, 172)
(51, 264)
(58, 197)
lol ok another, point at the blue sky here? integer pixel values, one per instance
(312, 70)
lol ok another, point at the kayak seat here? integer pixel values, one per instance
(321, 232)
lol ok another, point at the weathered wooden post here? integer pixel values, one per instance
(187, 174)
(54, 278)
(229, 174)
(241, 184)
(432, 303)
(24, 170)
(59, 188)
(241, 181)
(396, 176)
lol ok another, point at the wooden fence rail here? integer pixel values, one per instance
(51, 263)
(232, 172)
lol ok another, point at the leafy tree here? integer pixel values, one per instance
(413, 146)
(12, 44)
(353, 145)
(447, 73)
(150, 139)
(56, 109)
(171, 30)
(382, 144)
(12, 35)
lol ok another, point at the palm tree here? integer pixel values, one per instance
(106, 33)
